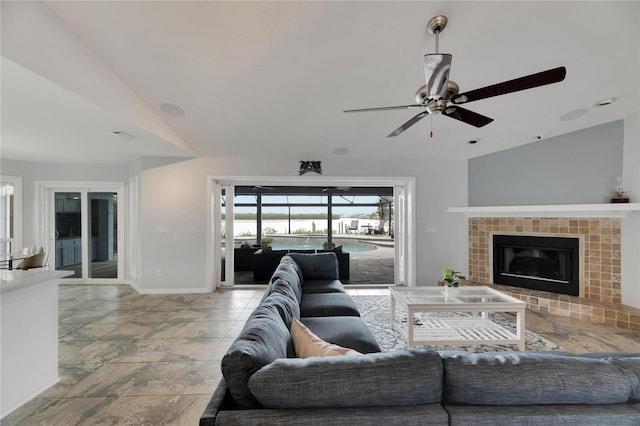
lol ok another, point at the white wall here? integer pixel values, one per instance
(99, 84)
(32, 172)
(174, 200)
(630, 232)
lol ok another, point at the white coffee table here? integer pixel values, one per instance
(452, 329)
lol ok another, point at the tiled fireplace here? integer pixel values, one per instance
(599, 272)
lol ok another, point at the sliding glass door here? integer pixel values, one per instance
(103, 226)
(82, 230)
(68, 226)
(372, 223)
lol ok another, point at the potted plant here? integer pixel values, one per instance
(451, 281)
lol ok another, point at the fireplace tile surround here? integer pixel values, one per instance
(600, 265)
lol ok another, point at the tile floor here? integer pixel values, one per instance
(131, 359)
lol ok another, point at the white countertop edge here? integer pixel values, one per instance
(613, 210)
(16, 279)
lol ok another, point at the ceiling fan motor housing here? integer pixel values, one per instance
(436, 71)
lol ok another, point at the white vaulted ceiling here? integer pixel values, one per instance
(266, 78)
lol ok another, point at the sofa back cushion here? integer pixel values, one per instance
(264, 338)
(403, 377)
(317, 266)
(529, 378)
(287, 271)
(286, 305)
(288, 260)
(628, 362)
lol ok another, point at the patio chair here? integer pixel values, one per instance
(380, 229)
(353, 226)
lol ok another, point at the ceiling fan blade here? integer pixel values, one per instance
(467, 116)
(554, 75)
(409, 123)
(384, 108)
(436, 74)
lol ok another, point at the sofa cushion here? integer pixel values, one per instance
(322, 286)
(286, 305)
(529, 378)
(317, 266)
(629, 362)
(287, 272)
(328, 304)
(288, 260)
(263, 339)
(403, 377)
(544, 415)
(418, 415)
(350, 332)
(307, 344)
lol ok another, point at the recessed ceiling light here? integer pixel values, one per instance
(572, 115)
(340, 151)
(473, 141)
(605, 101)
(171, 109)
(123, 135)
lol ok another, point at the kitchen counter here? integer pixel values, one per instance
(16, 279)
(29, 334)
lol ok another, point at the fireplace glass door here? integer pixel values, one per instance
(538, 263)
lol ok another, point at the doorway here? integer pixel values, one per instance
(81, 230)
(281, 213)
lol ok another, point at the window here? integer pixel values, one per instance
(10, 214)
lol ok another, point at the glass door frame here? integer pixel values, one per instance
(15, 242)
(403, 223)
(46, 230)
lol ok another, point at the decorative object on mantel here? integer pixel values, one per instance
(619, 198)
(451, 281)
(310, 166)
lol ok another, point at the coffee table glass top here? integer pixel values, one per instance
(424, 315)
(436, 295)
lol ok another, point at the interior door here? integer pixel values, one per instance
(102, 234)
(69, 231)
(82, 233)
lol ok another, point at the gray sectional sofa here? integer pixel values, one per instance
(265, 384)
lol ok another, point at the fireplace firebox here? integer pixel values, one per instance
(538, 263)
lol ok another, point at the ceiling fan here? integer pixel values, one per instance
(441, 95)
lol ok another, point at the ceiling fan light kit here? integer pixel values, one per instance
(441, 96)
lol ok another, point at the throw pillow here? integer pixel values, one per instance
(307, 344)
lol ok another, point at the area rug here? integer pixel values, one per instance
(376, 312)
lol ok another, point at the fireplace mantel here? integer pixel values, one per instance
(612, 210)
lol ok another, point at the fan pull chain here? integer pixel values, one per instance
(431, 126)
